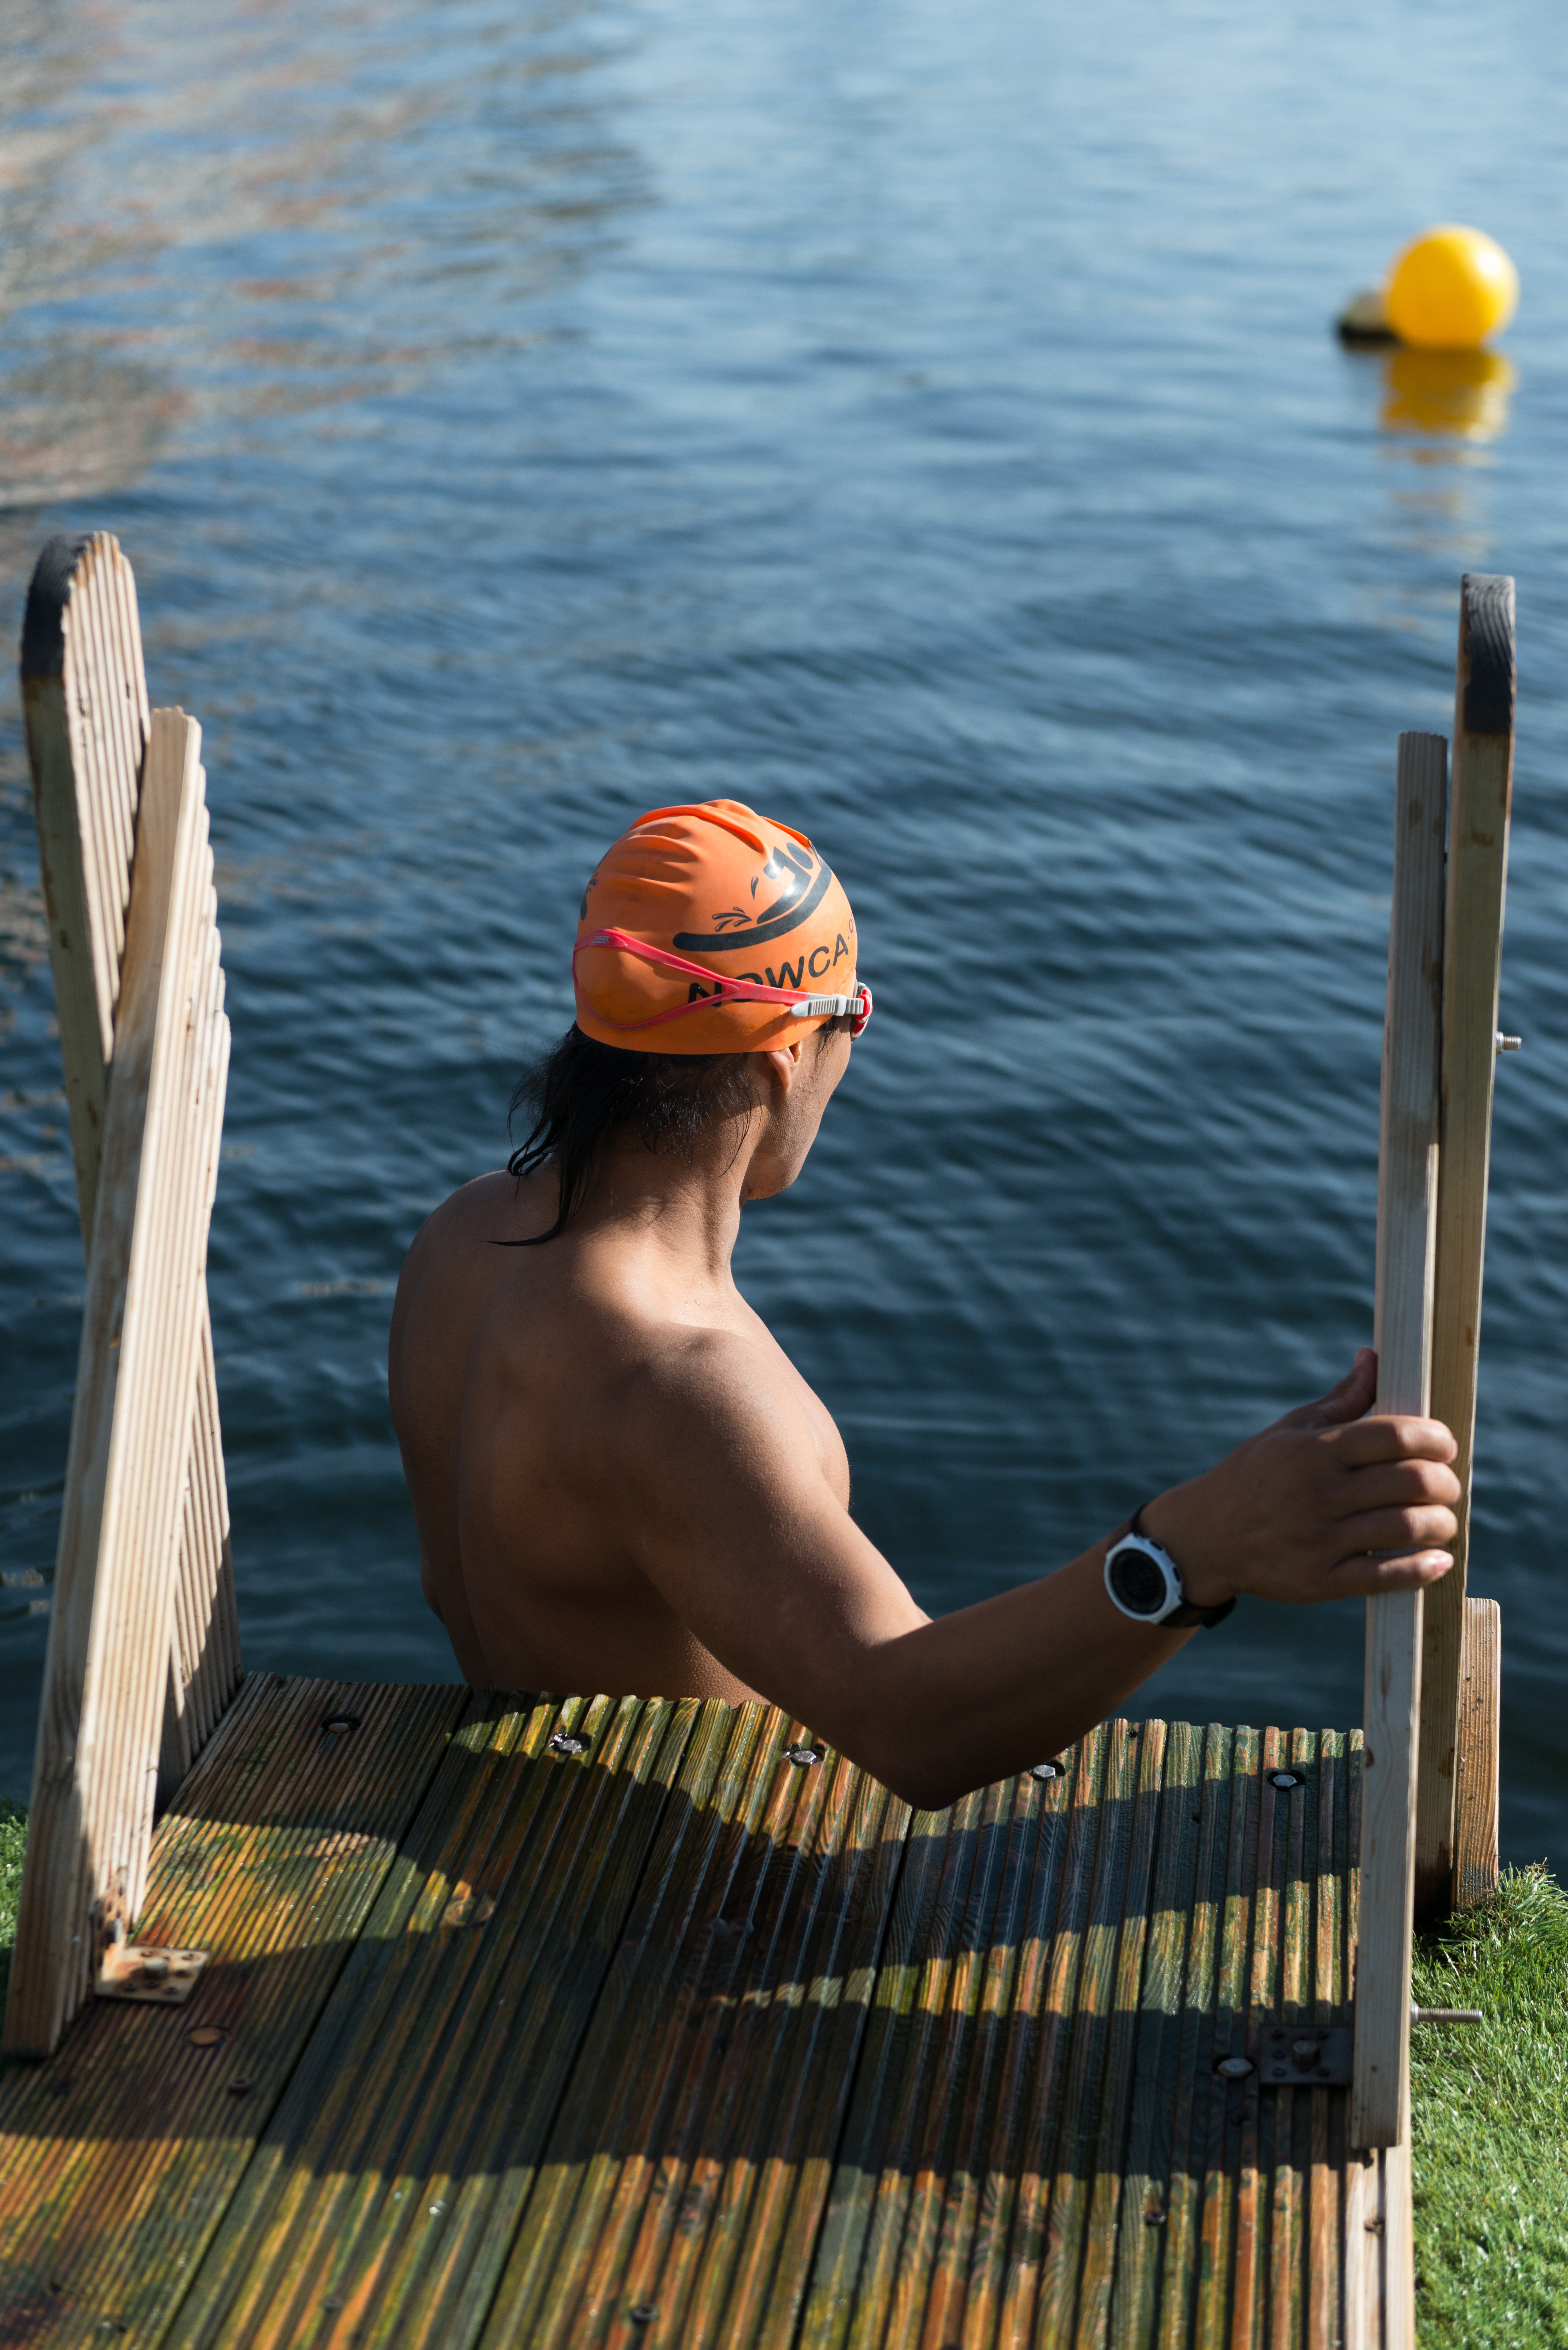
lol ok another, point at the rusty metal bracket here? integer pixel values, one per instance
(1304, 2056)
(138, 1970)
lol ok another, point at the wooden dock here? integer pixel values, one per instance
(371, 2015)
(616, 2022)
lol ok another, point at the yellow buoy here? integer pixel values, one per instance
(1451, 289)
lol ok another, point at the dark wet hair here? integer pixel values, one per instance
(581, 1093)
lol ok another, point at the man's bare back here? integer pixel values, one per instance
(511, 1369)
(623, 1486)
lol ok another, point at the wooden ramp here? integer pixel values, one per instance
(611, 2022)
(383, 2016)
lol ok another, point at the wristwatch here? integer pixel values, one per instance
(1145, 1582)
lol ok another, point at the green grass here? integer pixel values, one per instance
(13, 1834)
(1491, 2143)
(1490, 2106)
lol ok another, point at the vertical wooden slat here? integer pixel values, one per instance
(1476, 1762)
(69, 817)
(1480, 803)
(1407, 1214)
(100, 1717)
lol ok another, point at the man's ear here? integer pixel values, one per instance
(783, 1065)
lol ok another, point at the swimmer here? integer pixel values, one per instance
(623, 1484)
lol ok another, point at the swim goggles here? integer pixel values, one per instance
(746, 991)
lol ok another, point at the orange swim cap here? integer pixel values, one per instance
(709, 930)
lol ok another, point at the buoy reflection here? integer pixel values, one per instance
(1453, 395)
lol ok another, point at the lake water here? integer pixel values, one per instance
(923, 423)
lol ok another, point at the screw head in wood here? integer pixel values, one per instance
(803, 1756)
(337, 1725)
(569, 1741)
(240, 2088)
(1234, 2068)
(1284, 1779)
(1045, 1769)
(206, 2035)
(643, 2313)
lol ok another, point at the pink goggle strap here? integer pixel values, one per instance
(745, 991)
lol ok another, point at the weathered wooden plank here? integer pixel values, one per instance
(959, 2080)
(1147, 2159)
(1380, 2280)
(1064, 1932)
(1013, 2312)
(1082, 2127)
(1226, 2155)
(1330, 1979)
(118, 2154)
(685, 2179)
(1407, 1218)
(1193, 2084)
(1288, 2143)
(1480, 807)
(945, 2121)
(1476, 1762)
(1105, 2151)
(986, 2065)
(892, 2065)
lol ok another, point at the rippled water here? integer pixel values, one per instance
(923, 423)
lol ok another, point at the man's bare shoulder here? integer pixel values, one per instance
(693, 1381)
(489, 1207)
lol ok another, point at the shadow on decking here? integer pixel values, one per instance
(539, 2003)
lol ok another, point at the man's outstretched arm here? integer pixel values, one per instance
(727, 1512)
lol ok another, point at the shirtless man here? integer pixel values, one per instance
(621, 1482)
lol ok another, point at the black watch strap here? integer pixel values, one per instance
(1179, 1617)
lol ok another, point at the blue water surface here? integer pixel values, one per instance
(921, 422)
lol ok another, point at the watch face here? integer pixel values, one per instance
(1138, 1582)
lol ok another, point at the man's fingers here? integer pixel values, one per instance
(1376, 1530)
(1393, 1436)
(1355, 1394)
(1369, 1578)
(1397, 1485)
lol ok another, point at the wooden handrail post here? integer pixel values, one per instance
(1481, 802)
(122, 1548)
(1406, 1222)
(84, 693)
